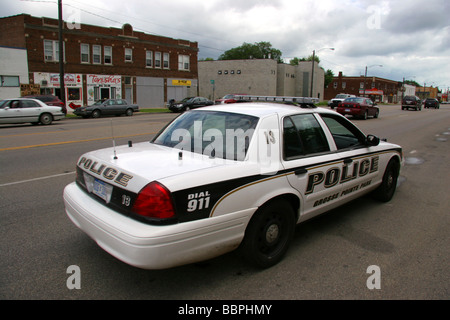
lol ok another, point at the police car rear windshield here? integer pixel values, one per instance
(216, 134)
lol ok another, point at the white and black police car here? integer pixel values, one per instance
(226, 176)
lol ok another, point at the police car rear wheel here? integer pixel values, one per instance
(269, 234)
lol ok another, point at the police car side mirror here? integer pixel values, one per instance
(372, 140)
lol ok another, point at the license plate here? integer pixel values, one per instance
(102, 189)
(347, 110)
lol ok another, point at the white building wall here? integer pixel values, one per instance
(13, 62)
(263, 77)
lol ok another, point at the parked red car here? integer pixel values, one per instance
(229, 98)
(358, 107)
(49, 100)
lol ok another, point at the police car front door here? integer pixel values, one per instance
(313, 169)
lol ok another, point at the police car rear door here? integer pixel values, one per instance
(312, 165)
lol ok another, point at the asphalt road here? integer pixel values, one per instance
(408, 239)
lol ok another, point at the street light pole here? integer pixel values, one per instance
(365, 76)
(312, 71)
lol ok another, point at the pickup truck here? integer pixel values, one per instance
(338, 99)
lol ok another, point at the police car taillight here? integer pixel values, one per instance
(154, 201)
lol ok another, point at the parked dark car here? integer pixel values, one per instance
(189, 103)
(49, 100)
(106, 108)
(431, 103)
(412, 102)
(358, 107)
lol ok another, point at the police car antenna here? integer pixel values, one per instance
(114, 141)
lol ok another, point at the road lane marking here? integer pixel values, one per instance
(37, 179)
(73, 141)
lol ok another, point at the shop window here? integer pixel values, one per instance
(74, 93)
(9, 81)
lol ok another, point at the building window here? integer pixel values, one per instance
(9, 81)
(128, 55)
(149, 59)
(361, 85)
(84, 48)
(74, 93)
(344, 85)
(166, 61)
(157, 59)
(335, 85)
(96, 54)
(183, 63)
(107, 55)
(51, 50)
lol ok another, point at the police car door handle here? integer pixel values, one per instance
(347, 161)
(300, 171)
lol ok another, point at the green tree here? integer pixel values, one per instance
(294, 61)
(329, 75)
(259, 50)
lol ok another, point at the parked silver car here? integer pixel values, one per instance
(23, 110)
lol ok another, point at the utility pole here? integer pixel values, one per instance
(312, 73)
(62, 89)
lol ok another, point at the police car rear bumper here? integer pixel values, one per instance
(154, 247)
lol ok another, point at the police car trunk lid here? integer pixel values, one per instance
(134, 167)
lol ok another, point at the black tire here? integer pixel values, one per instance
(46, 119)
(366, 115)
(96, 114)
(129, 112)
(269, 234)
(377, 113)
(386, 190)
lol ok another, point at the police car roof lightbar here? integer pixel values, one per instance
(300, 100)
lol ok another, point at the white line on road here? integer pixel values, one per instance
(36, 179)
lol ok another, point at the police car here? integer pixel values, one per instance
(226, 176)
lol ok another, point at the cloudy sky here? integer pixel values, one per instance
(409, 38)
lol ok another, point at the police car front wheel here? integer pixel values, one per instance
(269, 234)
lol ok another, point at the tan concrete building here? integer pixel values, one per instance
(258, 77)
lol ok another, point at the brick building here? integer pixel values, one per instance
(104, 62)
(379, 89)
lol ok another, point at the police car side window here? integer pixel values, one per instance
(345, 134)
(303, 135)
